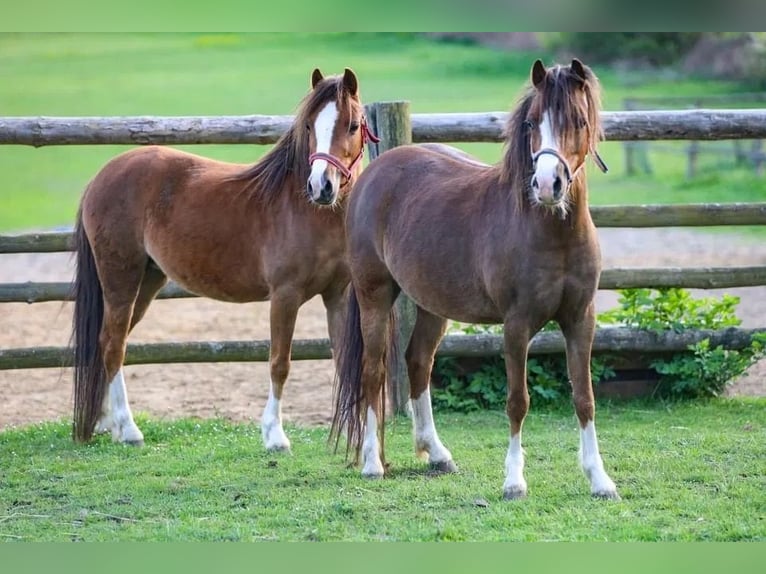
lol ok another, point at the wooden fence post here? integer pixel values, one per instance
(692, 152)
(391, 122)
(635, 150)
(758, 156)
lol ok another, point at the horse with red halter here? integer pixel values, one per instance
(512, 243)
(227, 231)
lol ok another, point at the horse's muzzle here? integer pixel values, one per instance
(326, 195)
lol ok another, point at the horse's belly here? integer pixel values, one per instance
(464, 302)
(217, 278)
(222, 289)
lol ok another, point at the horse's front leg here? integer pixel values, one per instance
(516, 341)
(284, 310)
(579, 341)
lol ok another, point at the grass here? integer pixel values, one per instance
(231, 74)
(685, 471)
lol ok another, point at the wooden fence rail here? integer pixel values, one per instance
(683, 215)
(617, 339)
(698, 124)
(614, 278)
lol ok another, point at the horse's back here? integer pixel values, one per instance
(419, 215)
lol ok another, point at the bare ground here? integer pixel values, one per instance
(238, 391)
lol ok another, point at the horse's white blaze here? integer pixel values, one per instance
(546, 169)
(514, 468)
(426, 439)
(373, 466)
(274, 437)
(324, 126)
(117, 416)
(592, 465)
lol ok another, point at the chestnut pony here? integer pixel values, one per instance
(512, 243)
(226, 231)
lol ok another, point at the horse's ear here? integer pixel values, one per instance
(579, 69)
(316, 77)
(350, 83)
(538, 73)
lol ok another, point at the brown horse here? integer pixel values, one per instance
(227, 231)
(511, 243)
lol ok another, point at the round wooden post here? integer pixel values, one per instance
(391, 122)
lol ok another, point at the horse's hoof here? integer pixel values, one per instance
(278, 448)
(136, 443)
(373, 473)
(607, 495)
(514, 493)
(443, 467)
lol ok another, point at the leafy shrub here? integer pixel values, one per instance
(674, 309)
(705, 372)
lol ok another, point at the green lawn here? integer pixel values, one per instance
(685, 472)
(229, 74)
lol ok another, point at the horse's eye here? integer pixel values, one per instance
(308, 127)
(527, 124)
(353, 126)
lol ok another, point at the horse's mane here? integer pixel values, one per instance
(286, 164)
(561, 83)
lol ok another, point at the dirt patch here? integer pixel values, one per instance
(238, 391)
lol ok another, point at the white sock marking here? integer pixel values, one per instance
(514, 468)
(118, 417)
(592, 465)
(373, 466)
(274, 437)
(426, 439)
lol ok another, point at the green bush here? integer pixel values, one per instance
(699, 372)
(674, 309)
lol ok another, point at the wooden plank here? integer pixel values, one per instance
(686, 277)
(681, 215)
(696, 124)
(139, 130)
(616, 339)
(614, 278)
(31, 292)
(44, 242)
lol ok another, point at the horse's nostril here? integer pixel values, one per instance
(534, 183)
(557, 186)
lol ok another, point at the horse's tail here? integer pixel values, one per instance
(350, 404)
(89, 371)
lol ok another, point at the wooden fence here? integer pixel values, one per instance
(637, 153)
(396, 126)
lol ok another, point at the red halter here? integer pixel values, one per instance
(367, 135)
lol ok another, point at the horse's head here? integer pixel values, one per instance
(564, 126)
(337, 134)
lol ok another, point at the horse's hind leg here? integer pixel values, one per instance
(117, 416)
(426, 335)
(375, 302)
(579, 339)
(284, 310)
